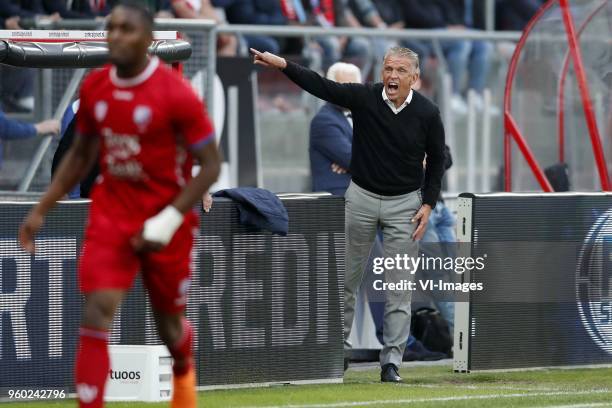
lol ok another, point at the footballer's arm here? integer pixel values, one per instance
(75, 165)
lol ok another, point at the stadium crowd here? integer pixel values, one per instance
(463, 58)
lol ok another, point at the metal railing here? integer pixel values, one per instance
(414, 34)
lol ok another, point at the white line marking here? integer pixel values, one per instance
(489, 387)
(588, 405)
(437, 399)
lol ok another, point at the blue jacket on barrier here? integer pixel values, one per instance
(259, 208)
(331, 139)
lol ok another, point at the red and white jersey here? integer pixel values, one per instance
(146, 125)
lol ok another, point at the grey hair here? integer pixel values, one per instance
(405, 53)
(332, 72)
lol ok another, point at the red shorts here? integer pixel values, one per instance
(108, 261)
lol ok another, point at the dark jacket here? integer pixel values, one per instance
(391, 11)
(441, 13)
(514, 15)
(31, 8)
(262, 12)
(425, 13)
(79, 9)
(21, 8)
(331, 138)
(259, 208)
(454, 13)
(83, 189)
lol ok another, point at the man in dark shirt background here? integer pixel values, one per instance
(394, 128)
(331, 137)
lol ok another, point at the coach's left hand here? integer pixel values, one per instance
(29, 228)
(422, 217)
(207, 202)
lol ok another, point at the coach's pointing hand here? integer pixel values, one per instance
(267, 59)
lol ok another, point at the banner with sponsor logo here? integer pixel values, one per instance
(265, 308)
(547, 281)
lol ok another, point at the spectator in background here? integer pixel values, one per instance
(64, 10)
(473, 57)
(91, 8)
(331, 138)
(17, 84)
(330, 13)
(336, 13)
(368, 15)
(471, 14)
(9, 23)
(227, 45)
(259, 12)
(392, 14)
(159, 8)
(34, 9)
(67, 133)
(441, 237)
(11, 129)
(513, 15)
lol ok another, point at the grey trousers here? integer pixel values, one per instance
(364, 213)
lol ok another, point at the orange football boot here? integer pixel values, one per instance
(184, 390)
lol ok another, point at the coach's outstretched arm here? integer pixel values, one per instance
(348, 95)
(73, 168)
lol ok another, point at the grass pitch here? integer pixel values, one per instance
(424, 386)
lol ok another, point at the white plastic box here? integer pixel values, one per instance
(139, 373)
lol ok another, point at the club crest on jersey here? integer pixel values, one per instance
(100, 110)
(142, 117)
(123, 95)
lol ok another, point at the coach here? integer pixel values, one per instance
(394, 128)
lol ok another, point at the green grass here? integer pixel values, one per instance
(434, 386)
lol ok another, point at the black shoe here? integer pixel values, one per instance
(346, 363)
(418, 352)
(388, 373)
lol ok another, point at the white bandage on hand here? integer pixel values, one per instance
(161, 227)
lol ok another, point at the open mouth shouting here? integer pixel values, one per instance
(392, 87)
